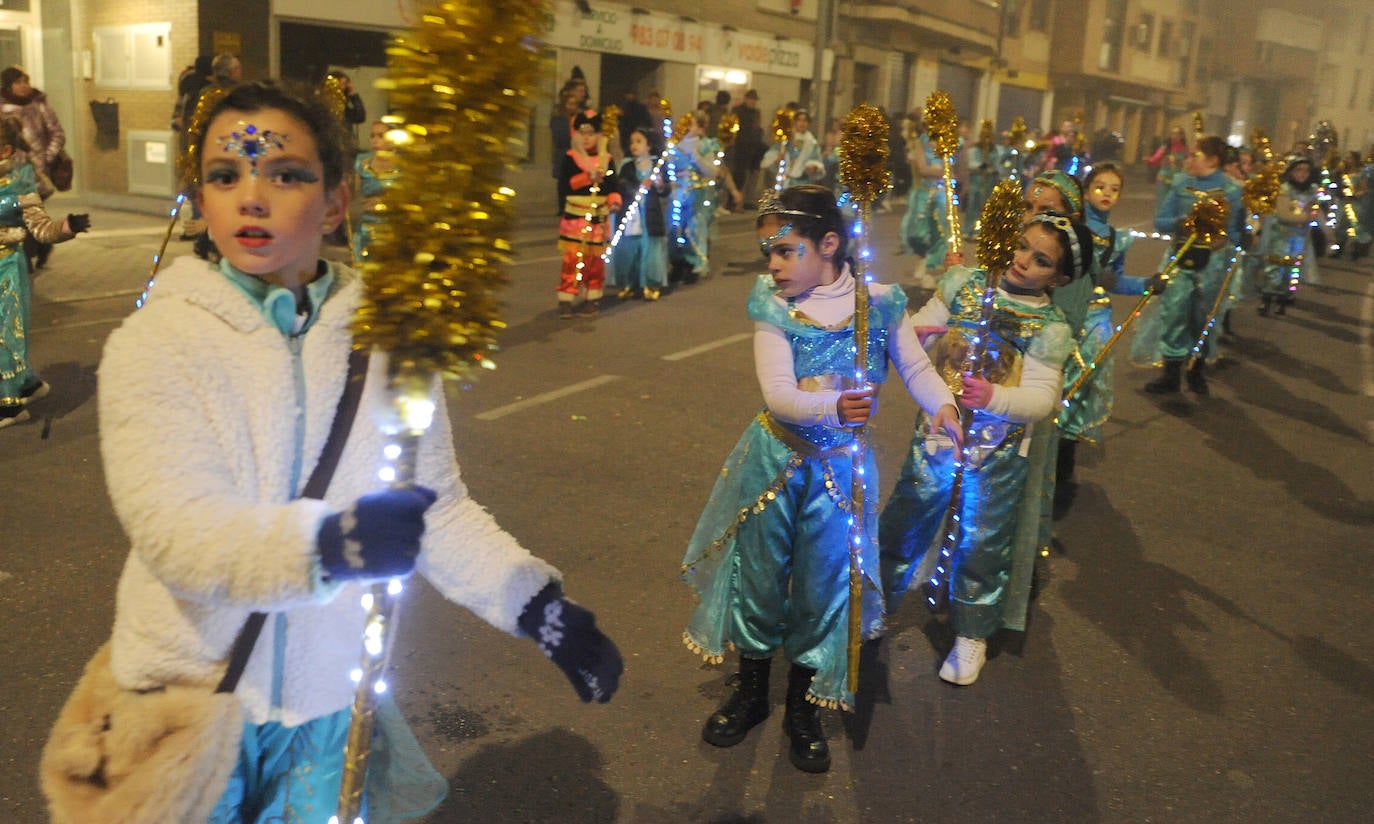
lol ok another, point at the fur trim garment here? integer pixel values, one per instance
(210, 423)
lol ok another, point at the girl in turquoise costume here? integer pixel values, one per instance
(21, 215)
(984, 171)
(691, 209)
(1091, 405)
(639, 261)
(925, 226)
(1088, 311)
(1011, 404)
(376, 171)
(769, 556)
(1285, 253)
(1169, 331)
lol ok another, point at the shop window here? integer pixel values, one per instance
(1039, 18)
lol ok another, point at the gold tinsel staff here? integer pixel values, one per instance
(863, 170)
(942, 124)
(782, 135)
(188, 169)
(459, 83)
(1205, 223)
(1002, 220)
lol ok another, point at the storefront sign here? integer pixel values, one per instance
(618, 30)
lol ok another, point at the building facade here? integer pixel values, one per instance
(1135, 67)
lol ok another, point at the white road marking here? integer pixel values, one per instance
(131, 232)
(707, 347)
(59, 327)
(545, 397)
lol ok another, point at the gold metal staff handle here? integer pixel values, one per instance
(857, 458)
(956, 234)
(167, 236)
(1120, 330)
(415, 411)
(1212, 315)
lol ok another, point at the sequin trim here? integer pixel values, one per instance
(714, 659)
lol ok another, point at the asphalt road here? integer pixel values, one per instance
(1198, 651)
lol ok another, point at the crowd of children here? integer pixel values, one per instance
(1008, 369)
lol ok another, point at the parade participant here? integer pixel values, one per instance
(1185, 304)
(215, 401)
(924, 228)
(1082, 417)
(1285, 240)
(1168, 160)
(587, 198)
(804, 161)
(1065, 152)
(639, 263)
(769, 556)
(376, 170)
(1012, 406)
(1364, 205)
(984, 171)
(45, 138)
(693, 207)
(21, 215)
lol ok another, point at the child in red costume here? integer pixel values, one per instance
(588, 197)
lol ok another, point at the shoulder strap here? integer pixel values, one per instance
(314, 488)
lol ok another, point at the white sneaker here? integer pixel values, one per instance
(16, 418)
(965, 661)
(39, 391)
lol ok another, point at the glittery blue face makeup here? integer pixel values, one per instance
(248, 142)
(766, 245)
(801, 251)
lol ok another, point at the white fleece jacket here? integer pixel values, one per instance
(199, 405)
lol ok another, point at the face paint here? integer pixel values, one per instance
(801, 251)
(766, 245)
(251, 144)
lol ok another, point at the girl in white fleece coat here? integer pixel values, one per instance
(216, 399)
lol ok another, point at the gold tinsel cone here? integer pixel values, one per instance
(942, 123)
(1002, 220)
(1207, 219)
(460, 82)
(864, 152)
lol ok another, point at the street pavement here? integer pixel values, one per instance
(1198, 650)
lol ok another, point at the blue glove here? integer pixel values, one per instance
(377, 537)
(567, 634)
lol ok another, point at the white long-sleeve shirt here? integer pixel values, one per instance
(1035, 398)
(832, 305)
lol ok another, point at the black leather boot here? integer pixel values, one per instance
(802, 723)
(745, 709)
(1170, 380)
(1197, 381)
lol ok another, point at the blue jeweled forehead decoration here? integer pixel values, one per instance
(766, 245)
(247, 141)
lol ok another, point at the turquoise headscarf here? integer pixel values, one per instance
(1065, 185)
